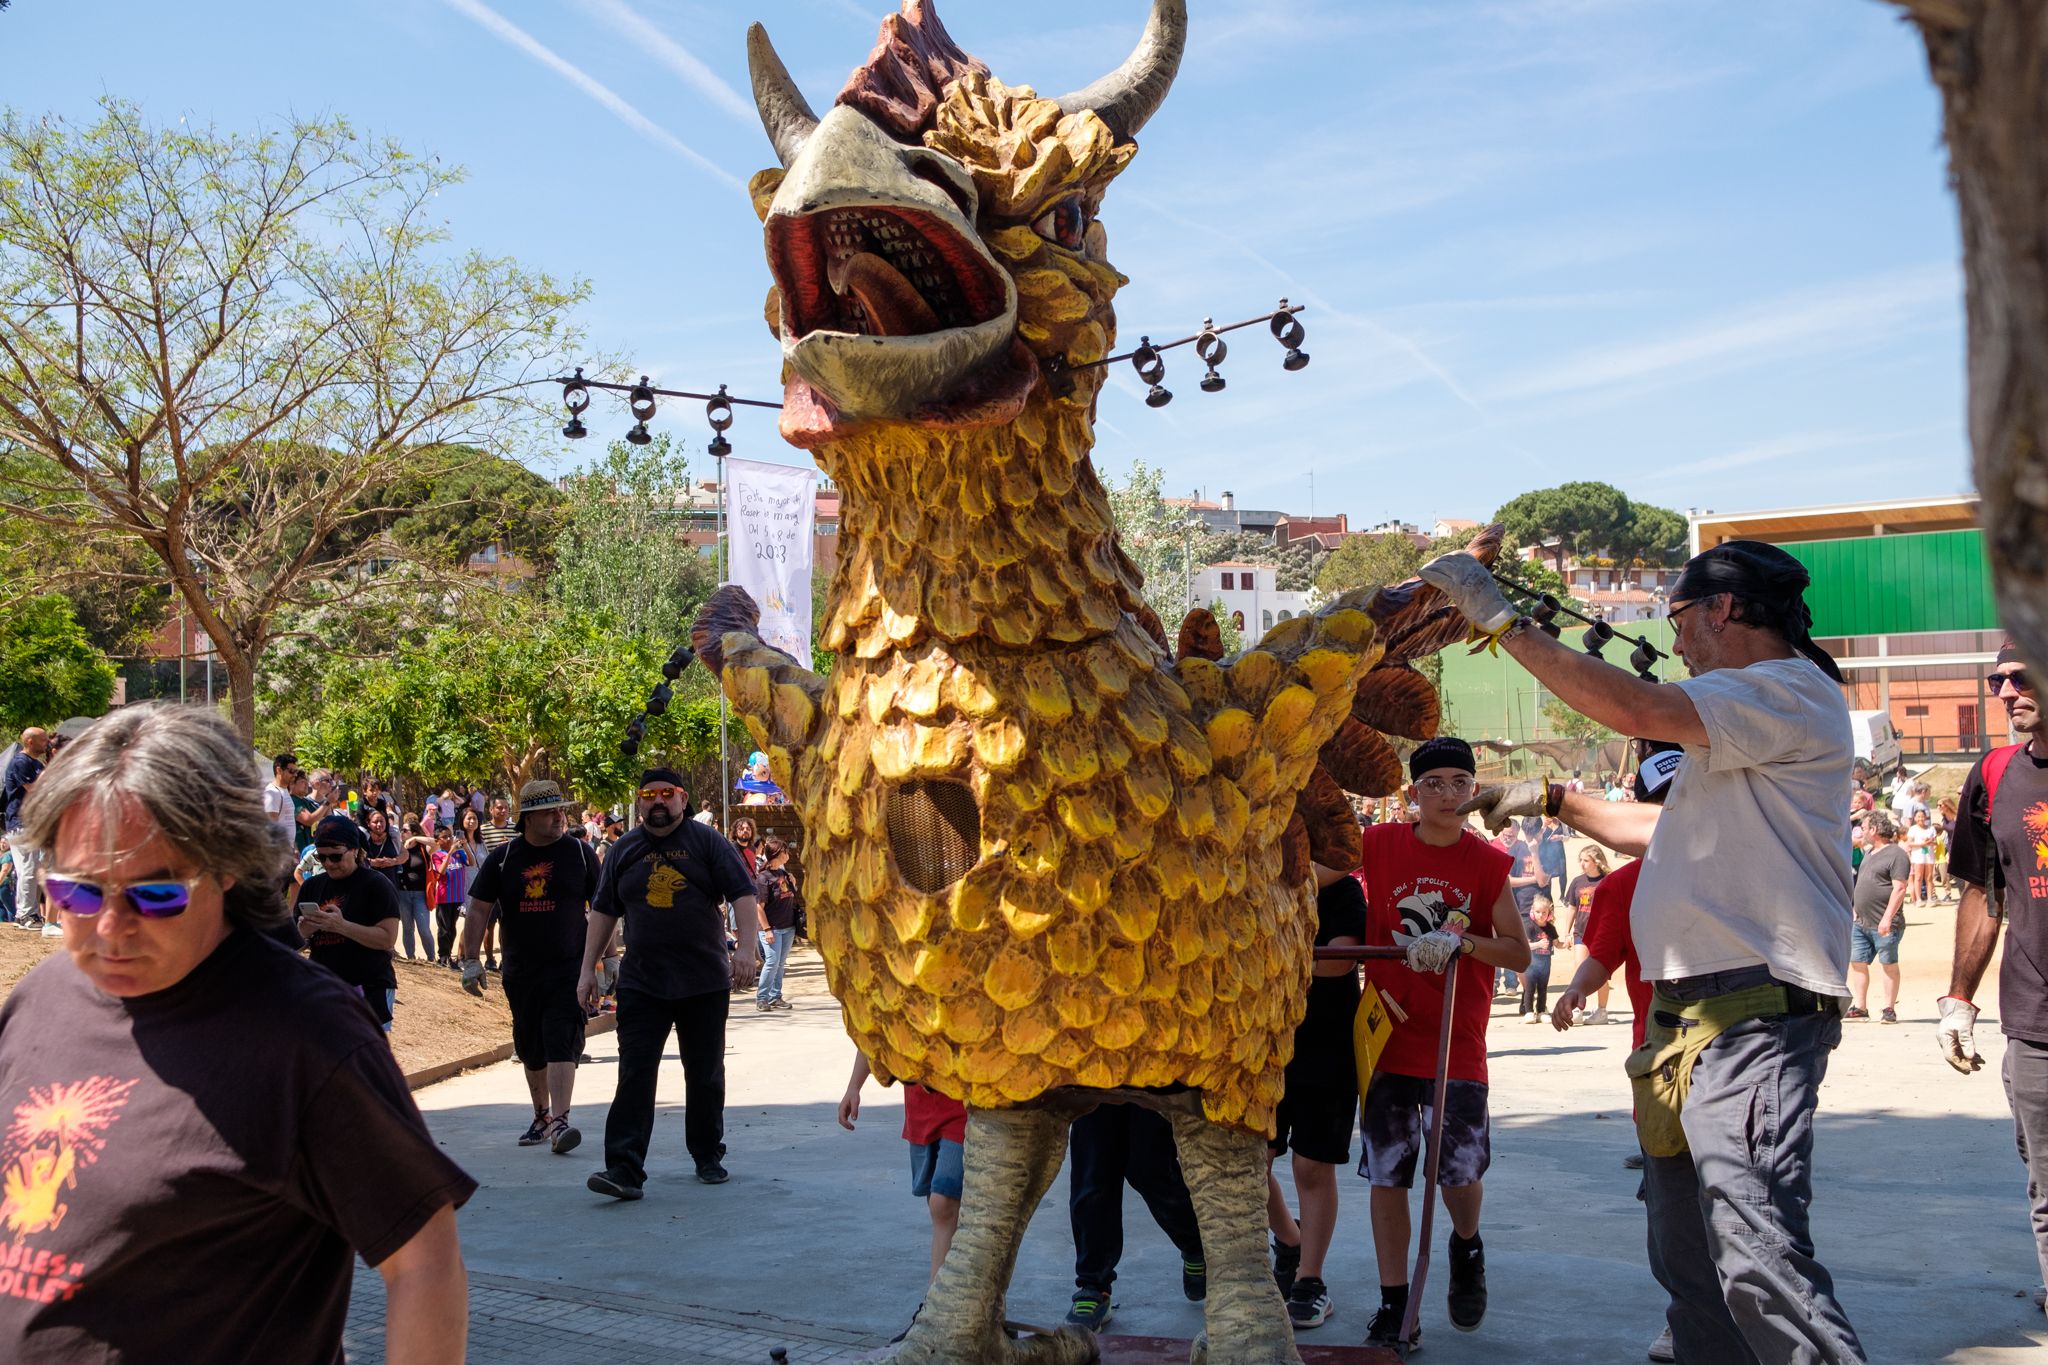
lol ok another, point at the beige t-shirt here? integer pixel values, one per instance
(1750, 862)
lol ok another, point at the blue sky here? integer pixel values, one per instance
(1703, 252)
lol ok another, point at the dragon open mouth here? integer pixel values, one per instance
(874, 271)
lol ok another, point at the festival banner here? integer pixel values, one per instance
(771, 512)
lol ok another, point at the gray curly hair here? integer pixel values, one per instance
(156, 755)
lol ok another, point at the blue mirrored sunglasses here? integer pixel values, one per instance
(151, 900)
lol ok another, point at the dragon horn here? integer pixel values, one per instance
(1131, 94)
(785, 113)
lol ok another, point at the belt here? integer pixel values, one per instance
(1798, 999)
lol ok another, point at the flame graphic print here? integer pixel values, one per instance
(57, 1131)
(2035, 821)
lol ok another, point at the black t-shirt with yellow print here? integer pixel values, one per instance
(669, 890)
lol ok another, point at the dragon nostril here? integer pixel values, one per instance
(962, 194)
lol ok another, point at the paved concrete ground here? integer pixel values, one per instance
(816, 1243)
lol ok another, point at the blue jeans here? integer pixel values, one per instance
(412, 910)
(774, 958)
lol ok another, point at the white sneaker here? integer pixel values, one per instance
(1532, 1017)
(1661, 1349)
(1578, 1016)
(1598, 1016)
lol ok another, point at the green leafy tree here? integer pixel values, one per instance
(621, 555)
(1654, 537)
(1372, 561)
(463, 501)
(228, 350)
(1566, 723)
(1226, 626)
(1574, 520)
(49, 670)
(1159, 539)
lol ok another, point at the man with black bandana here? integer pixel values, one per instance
(1747, 958)
(667, 880)
(2000, 855)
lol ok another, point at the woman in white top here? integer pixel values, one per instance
(1920, 837)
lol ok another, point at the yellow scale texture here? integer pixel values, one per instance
(1127, 923)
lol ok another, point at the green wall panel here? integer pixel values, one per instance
(1898, 585)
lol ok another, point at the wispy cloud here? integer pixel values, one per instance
(1789, 446)
(510, 33)
(1849, 313)
(628, 22)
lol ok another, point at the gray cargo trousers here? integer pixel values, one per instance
(1729, 1238)
(2026, 1090)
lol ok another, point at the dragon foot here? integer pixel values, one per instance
(1245, 1319)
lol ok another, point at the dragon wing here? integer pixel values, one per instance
(1412, 620)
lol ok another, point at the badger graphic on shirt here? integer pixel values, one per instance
(1428, 904)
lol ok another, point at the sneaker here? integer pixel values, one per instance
(1309, 1304)
(1888, 1017)
(778, 1003)
(1385, 1328)
(711, 1173)
(1194, 1280)
(1286, 1261)
(1090, 1311)
(1662, 1350)
(1532, 1017)
(1856, 1012)
(1598, 1016)
(562, 1139)
(536, 1132)
(764, 1007)
(1467, 1297)
(490, 964)
(1578, 1017)
(614, 1183)
(1633, 1161)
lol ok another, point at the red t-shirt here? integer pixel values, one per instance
(1609, 942)
(1412, 886)
(929, 1116)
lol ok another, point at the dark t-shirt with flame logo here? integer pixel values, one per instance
(190, 1174)
(2007, 849)
(541, 894)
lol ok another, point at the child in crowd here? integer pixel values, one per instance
(1542, 942)
(935, 1127)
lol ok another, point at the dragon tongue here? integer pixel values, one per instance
(893, 305)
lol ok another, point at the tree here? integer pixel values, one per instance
(1294, 564)
(230, 349)
(1157, 538)
(1576, 519)
(621, 554)
(1372, 561)
(1569, 724)
(1654, 537)
(49, 670)
(463, 501)
(1986, 57)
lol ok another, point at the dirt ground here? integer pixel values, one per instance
(435, 1020)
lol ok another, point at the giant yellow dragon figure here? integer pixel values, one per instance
(1049, 863)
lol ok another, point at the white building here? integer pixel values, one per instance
(1250, 595)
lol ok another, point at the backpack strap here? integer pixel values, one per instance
(1995, 764)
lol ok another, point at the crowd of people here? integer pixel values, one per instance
(266, 921)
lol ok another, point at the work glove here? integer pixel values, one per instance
(473, 976)
(1471, 588)
(1430, 952)
(1498, 805)
(1957, 1034)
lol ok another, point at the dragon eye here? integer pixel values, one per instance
(1064, 224)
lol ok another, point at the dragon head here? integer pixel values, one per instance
(933, 238)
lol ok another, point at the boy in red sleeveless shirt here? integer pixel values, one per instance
(1438, 890)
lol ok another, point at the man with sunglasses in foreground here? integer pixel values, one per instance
(201, 1129)
(667, 879)
(2000, 855)
(1741, 923)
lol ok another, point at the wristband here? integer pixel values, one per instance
(1553, 799)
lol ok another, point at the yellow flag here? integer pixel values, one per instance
(1370, 1029)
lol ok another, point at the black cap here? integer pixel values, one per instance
(338, 829)
(2008, 653)
(1445, 751)
(668, 775)
(1754, 571)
